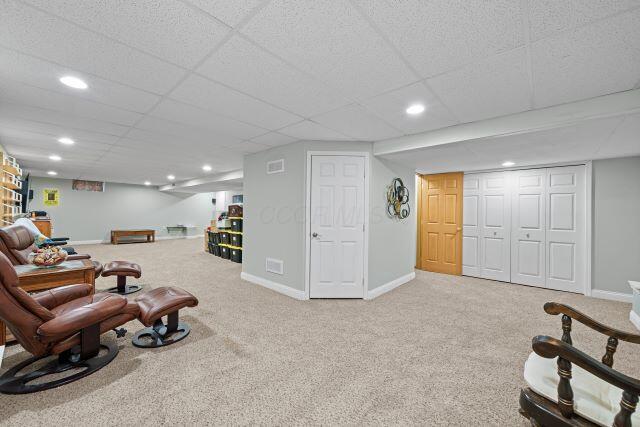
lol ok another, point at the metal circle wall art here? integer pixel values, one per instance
(398, 199)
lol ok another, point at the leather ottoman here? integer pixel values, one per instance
(122, 269)
(155, 304)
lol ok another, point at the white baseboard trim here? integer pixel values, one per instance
(278, 287)
(374, 293)
(635, 319)
(614, 296)
(99, 242)
(85, 242)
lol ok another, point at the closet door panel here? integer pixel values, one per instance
(496, 226)
(566, 216)
(528, 263)
(470, 226)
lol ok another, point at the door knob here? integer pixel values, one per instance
(495, 233)
(314, 235)
(527, 235)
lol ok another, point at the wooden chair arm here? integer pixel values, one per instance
(557, 308)
(548, 347)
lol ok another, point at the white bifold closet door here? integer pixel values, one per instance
(487, 226)
(566, 226)
(527, 227)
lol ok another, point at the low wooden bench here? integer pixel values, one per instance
(150, 236)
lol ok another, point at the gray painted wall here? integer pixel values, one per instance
(86, 215)
(274, 209)
(616, 224)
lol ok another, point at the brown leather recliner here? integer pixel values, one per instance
(16, 242)
(66, 322)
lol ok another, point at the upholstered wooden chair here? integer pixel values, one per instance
(567, 387)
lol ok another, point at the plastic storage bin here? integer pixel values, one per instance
(235, 239)
(236, 254)
(236, 224)
(225, 252)
(224, 238)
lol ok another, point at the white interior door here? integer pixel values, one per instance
(566, 217)
(486, 246)
(337, 227)
(528, 227)
(496, 226)
(471, 233)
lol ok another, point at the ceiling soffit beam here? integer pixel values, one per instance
(616, 104)
(217, 178)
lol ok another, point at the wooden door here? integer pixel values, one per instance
(441, 223)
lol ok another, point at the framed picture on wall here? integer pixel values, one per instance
(83, 185)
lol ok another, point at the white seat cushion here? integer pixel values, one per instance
(593, 399)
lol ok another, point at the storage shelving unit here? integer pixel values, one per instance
(227, 243)
(10, 185)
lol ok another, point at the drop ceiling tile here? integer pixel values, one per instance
(42, 35)
(166, 133)
(229, 12)
(224, 101)
(44, 74)
(69, 158)
(47, 142)
(202, 119)
(8, 124)
(495, 87)
(269, 79)
(41, 167)
(168, 29)
(331, 41)
(439, 35)
(312, 131)
(356, 122)
(591, 61)
(550, 17)
(625, 140)
(391, 107)
(247, 147)
(69, 121)
(273, 139)
(18, 93)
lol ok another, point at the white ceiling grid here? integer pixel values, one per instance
(175, 84)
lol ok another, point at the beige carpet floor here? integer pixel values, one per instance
(440, 350)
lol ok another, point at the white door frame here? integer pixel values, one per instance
(307, 218)
(588, 165)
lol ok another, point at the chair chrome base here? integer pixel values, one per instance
(162, 334)
(12, 383)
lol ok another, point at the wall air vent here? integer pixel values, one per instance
(275, 266)
(275, 166)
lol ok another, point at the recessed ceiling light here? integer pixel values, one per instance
(206, 168)
(147, 183)
(52, 173)
(55, 157)
(66, 141)
(171, 177)
(73, 82)
(508, 163)
(415, 109)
